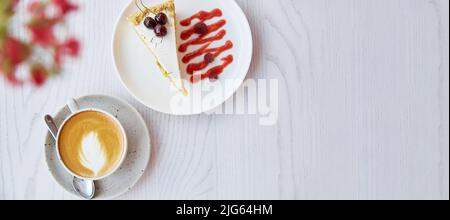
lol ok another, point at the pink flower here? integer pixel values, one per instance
(37, 9)
(65, 6)
(39, 74)
(71, 46)
(14, 51)
(41, 30)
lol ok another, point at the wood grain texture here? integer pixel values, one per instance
(363, 109)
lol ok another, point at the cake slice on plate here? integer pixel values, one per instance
(156, 26)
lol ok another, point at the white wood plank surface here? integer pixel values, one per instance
(363, 109)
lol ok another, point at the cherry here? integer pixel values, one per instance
(201, 28)
(209, 57)
(213, 77)
(160, 30)
(161, 18)
(150, 23)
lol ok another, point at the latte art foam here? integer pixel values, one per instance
(93, 155)
(91, 144)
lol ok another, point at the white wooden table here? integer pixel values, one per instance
(363, 109)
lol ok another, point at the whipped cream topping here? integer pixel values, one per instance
(93, 155)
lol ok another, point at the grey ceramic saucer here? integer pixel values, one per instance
(138, 155)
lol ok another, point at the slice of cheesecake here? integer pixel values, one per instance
(162, 46)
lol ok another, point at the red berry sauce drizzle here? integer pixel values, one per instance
(202, 32)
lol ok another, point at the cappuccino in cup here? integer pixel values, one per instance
(91, 144)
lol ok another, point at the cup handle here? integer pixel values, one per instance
(73, 105)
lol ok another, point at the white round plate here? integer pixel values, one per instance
(137, 70)
(138, 155)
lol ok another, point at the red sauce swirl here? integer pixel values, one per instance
(206, 40)
(202, 16)
(215, 71)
